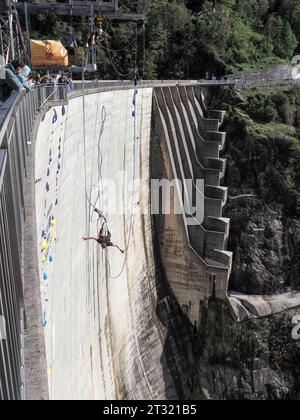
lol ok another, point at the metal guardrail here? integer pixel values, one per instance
(104, 85)
(17, 117)
(11, 294)
(121, 84)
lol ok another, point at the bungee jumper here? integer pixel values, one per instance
(104, 236)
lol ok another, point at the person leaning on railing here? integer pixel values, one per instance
(15, 76)
(22, 72)
(10, 83)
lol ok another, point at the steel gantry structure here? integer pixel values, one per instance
(11, 35)
(108, 8)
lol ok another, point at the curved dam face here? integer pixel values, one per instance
(98, 307)
(154, 322)
(122, 325)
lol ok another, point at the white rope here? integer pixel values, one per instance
(88, 280)
(133, 194)
(47, 99)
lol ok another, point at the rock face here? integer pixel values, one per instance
(254, 360)
(264, 187)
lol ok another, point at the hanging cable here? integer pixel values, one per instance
(113, 64)
(141, 76)
(132, 42)
(88, 282)
(133, 194)
(47, 99)
(99, 164)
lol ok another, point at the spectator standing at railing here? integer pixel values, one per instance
(67, 82)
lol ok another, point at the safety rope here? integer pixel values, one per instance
(100, 161)
(87, 225)
(114, 66)
(135, 71)
(99, 169)
(47, 99)
(96, 130)
(100, 156)
(133, 194)
(119, 49)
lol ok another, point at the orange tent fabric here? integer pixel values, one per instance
(48, 53)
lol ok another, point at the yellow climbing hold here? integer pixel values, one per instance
(44, 245)
(52, 235)
(44, 259)
(53, 222)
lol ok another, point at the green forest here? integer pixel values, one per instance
(188, 39)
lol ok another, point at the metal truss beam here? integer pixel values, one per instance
(107, 9)
(11, 37)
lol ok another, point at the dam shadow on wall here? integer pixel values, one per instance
(178, 357)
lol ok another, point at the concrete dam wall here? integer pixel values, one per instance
(119, 326)
(90, 323)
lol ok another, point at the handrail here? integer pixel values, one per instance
(17, 118)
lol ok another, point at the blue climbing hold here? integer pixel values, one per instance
(63, 110)
(50, 258)
(54, 119)
(45, 319)
(45, 276)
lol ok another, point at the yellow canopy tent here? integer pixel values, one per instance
(48, 53)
